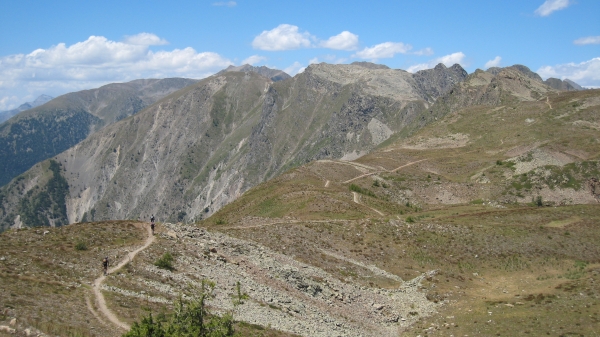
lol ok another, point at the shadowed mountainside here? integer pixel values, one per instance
(49, 129)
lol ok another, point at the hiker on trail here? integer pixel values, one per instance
(152, 223)
(105, 265)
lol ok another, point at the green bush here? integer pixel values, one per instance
(165, 262)
(189, 318)
(358, 189)
(80, 246)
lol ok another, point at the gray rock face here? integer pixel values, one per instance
(193, 152)
(42, 132)
(566, 85)
(435, 82)
(491, 87)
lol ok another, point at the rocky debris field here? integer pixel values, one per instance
(282, 293)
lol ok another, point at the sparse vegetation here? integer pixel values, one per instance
(188, 319)
(165, 261)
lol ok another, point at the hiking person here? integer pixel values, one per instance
(105, 265)
(152, 223)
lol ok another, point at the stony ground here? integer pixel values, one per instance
(283, 294)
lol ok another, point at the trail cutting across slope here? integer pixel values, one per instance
(356, 198)
(381, 171)
(101, 302)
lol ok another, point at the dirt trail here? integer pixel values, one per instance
(327, 183)
(548, 102)
(380, 171)
(98, 284)
(356, 198)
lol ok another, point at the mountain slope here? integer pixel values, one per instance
(44, 131)
(203, 146)
(500, 197)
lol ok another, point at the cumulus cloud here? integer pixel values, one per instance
(383, 50)
(447, 60)
(254, 59)
(586, 73)
(97, 61)
(225, 3)
(587, 40)
(550, 6)
(294, 69)
(343, 41)
(282, 37)
(145, 39)
(493, 63)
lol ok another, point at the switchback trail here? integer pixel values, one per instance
(98, 283)
(381, 171)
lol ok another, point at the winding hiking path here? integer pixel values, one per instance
(100, 301)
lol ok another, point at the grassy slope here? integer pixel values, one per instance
(505, 267)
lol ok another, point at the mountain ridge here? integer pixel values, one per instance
(241, 136)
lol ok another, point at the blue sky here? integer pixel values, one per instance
(55, 47)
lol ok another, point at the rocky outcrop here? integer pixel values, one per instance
(566, 85)
(436, 82)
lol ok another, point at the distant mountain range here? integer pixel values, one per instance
(49, 129)
(42, 99)
(199, 148)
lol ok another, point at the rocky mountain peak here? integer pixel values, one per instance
(272, 74)
(566, 85)
(433, 83)
(526, 71)
(370, 65)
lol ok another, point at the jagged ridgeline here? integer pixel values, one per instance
(49, 129)
(201, 147)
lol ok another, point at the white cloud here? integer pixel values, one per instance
(383, 50)
(343, 41)
(9, 102)
(145, 39)
(448, 60)
(427, 51)
(282, 37)
(314, 60)
(254, 59)
(294, 69)
(420, 66)
(225, 3)
(550, 6)
(586, 73)
(97, 61)
(493, 63)
(587, 40)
